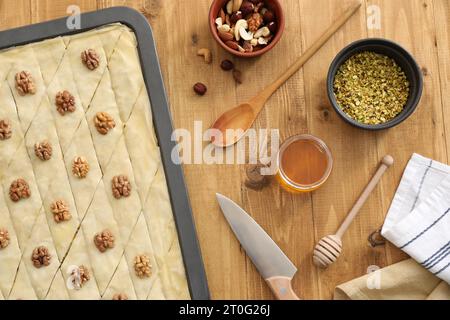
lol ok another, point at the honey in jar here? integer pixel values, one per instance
(304, 164)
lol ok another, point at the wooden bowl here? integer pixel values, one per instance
(274, 5)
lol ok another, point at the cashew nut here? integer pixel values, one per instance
(262, 32)
(206, 54)
(245, 35)
(242, 23)
(224, 28)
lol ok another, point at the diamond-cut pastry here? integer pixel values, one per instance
(83, 201)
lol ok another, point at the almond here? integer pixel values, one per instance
(236, 5)
(232, 44)
(226, 36)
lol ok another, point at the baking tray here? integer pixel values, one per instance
(162, 120)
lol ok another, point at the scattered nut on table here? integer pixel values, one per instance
(227, 65)
(206, 54)
(200, 88)
(237, 76)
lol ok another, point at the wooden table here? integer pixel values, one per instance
(300, 106)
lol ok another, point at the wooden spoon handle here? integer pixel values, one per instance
(385, 164)
(282, 288)
(269, 90)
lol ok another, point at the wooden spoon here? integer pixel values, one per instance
(241, 118)
(329, 248)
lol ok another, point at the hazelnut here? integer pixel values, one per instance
(272, 27)
(200, 88)
(268, 16)
(227, 65)
(247, 7)
(236, 16)
(237, 75)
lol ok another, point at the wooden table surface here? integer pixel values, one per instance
(295, 222)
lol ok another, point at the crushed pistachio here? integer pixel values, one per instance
(371, 88)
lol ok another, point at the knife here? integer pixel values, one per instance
(273, 265)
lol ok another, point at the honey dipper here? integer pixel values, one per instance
(328, 249)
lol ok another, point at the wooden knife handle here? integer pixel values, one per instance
(282, 288)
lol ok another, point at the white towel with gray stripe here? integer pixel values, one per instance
(418, 221)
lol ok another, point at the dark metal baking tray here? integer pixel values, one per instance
(195, 271)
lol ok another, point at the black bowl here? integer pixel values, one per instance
(403, 58)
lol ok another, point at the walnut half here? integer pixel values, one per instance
(43, 150)
(41, 257)
(80, 276)
(19, 189)
(4, 238)
(65, 102)
(60, 210)
(120, 296)
(104, 240)
(25, 83)
(121, 186)
(142, 266)
(104, 122)
(90, 59)
(5, 129)
(80, 167)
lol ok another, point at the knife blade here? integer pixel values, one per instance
(271, 262)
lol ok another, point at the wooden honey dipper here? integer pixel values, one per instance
(328, 250)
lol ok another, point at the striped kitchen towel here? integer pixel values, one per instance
(418, 221)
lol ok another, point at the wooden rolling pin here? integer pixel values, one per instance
(328, 250)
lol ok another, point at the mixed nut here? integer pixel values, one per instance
(246, 25)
